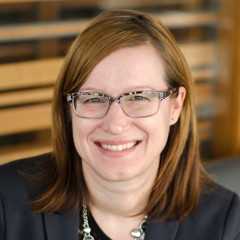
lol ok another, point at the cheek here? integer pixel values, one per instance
(157, 128)
(76, 126)
(81, 129)
(160, 130)
(77, 135)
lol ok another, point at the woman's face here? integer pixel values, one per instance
(125, 70)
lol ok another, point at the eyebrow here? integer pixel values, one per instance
(130, 89)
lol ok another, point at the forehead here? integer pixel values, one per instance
(128, 69)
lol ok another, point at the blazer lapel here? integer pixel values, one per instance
(61, 226)
(162, 230)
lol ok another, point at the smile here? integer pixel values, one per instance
(119, 147)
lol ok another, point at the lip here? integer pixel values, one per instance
(117, 146)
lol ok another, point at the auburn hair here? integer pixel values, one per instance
(181, 177)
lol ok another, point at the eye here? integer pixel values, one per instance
(140, 98)
(92, 100)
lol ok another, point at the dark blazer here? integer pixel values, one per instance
(217, 217)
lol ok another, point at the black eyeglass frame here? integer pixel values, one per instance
(161, 96)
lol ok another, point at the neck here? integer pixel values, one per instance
(125, 198)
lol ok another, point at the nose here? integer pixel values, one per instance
(116, 121)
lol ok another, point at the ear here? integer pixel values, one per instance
(177, 103)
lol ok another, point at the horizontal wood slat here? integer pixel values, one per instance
(23, 119)
(23, 50)
(73, 28)
(41, 30)
(199, 54)
(29, 74)
(203, 73)
(26, 97)
(15, 152)
(186, 19)
(23, 1)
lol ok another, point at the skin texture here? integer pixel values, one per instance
(126, 176)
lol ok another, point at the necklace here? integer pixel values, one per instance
(86, 229)
(138, 233)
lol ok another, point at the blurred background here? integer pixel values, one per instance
(35, 36)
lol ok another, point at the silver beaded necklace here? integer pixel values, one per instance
(137, 234)
(86, 229)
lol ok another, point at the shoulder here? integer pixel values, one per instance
(13, 168)
(219, 198)
(14, 175)
(17, 189)
(217, 216)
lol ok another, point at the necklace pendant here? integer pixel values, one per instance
(89, 237)
(136, 233)
(87, 230)
(140, 232)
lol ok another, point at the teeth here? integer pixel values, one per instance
(118, 147)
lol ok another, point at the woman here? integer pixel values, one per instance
(125, 163)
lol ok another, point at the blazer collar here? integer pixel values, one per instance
(162, 230)
(61, 226)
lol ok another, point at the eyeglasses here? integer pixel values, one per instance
(134, 104)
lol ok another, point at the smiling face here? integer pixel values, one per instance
(117, 147)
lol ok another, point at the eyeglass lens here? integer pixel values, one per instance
(134, 105)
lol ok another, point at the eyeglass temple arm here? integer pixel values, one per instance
(173, 90)
(69, 97)
(163, 95)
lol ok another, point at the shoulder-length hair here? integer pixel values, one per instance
(176, 190)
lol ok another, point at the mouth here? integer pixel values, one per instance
(119, 147)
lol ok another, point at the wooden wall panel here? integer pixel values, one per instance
(227, 127)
